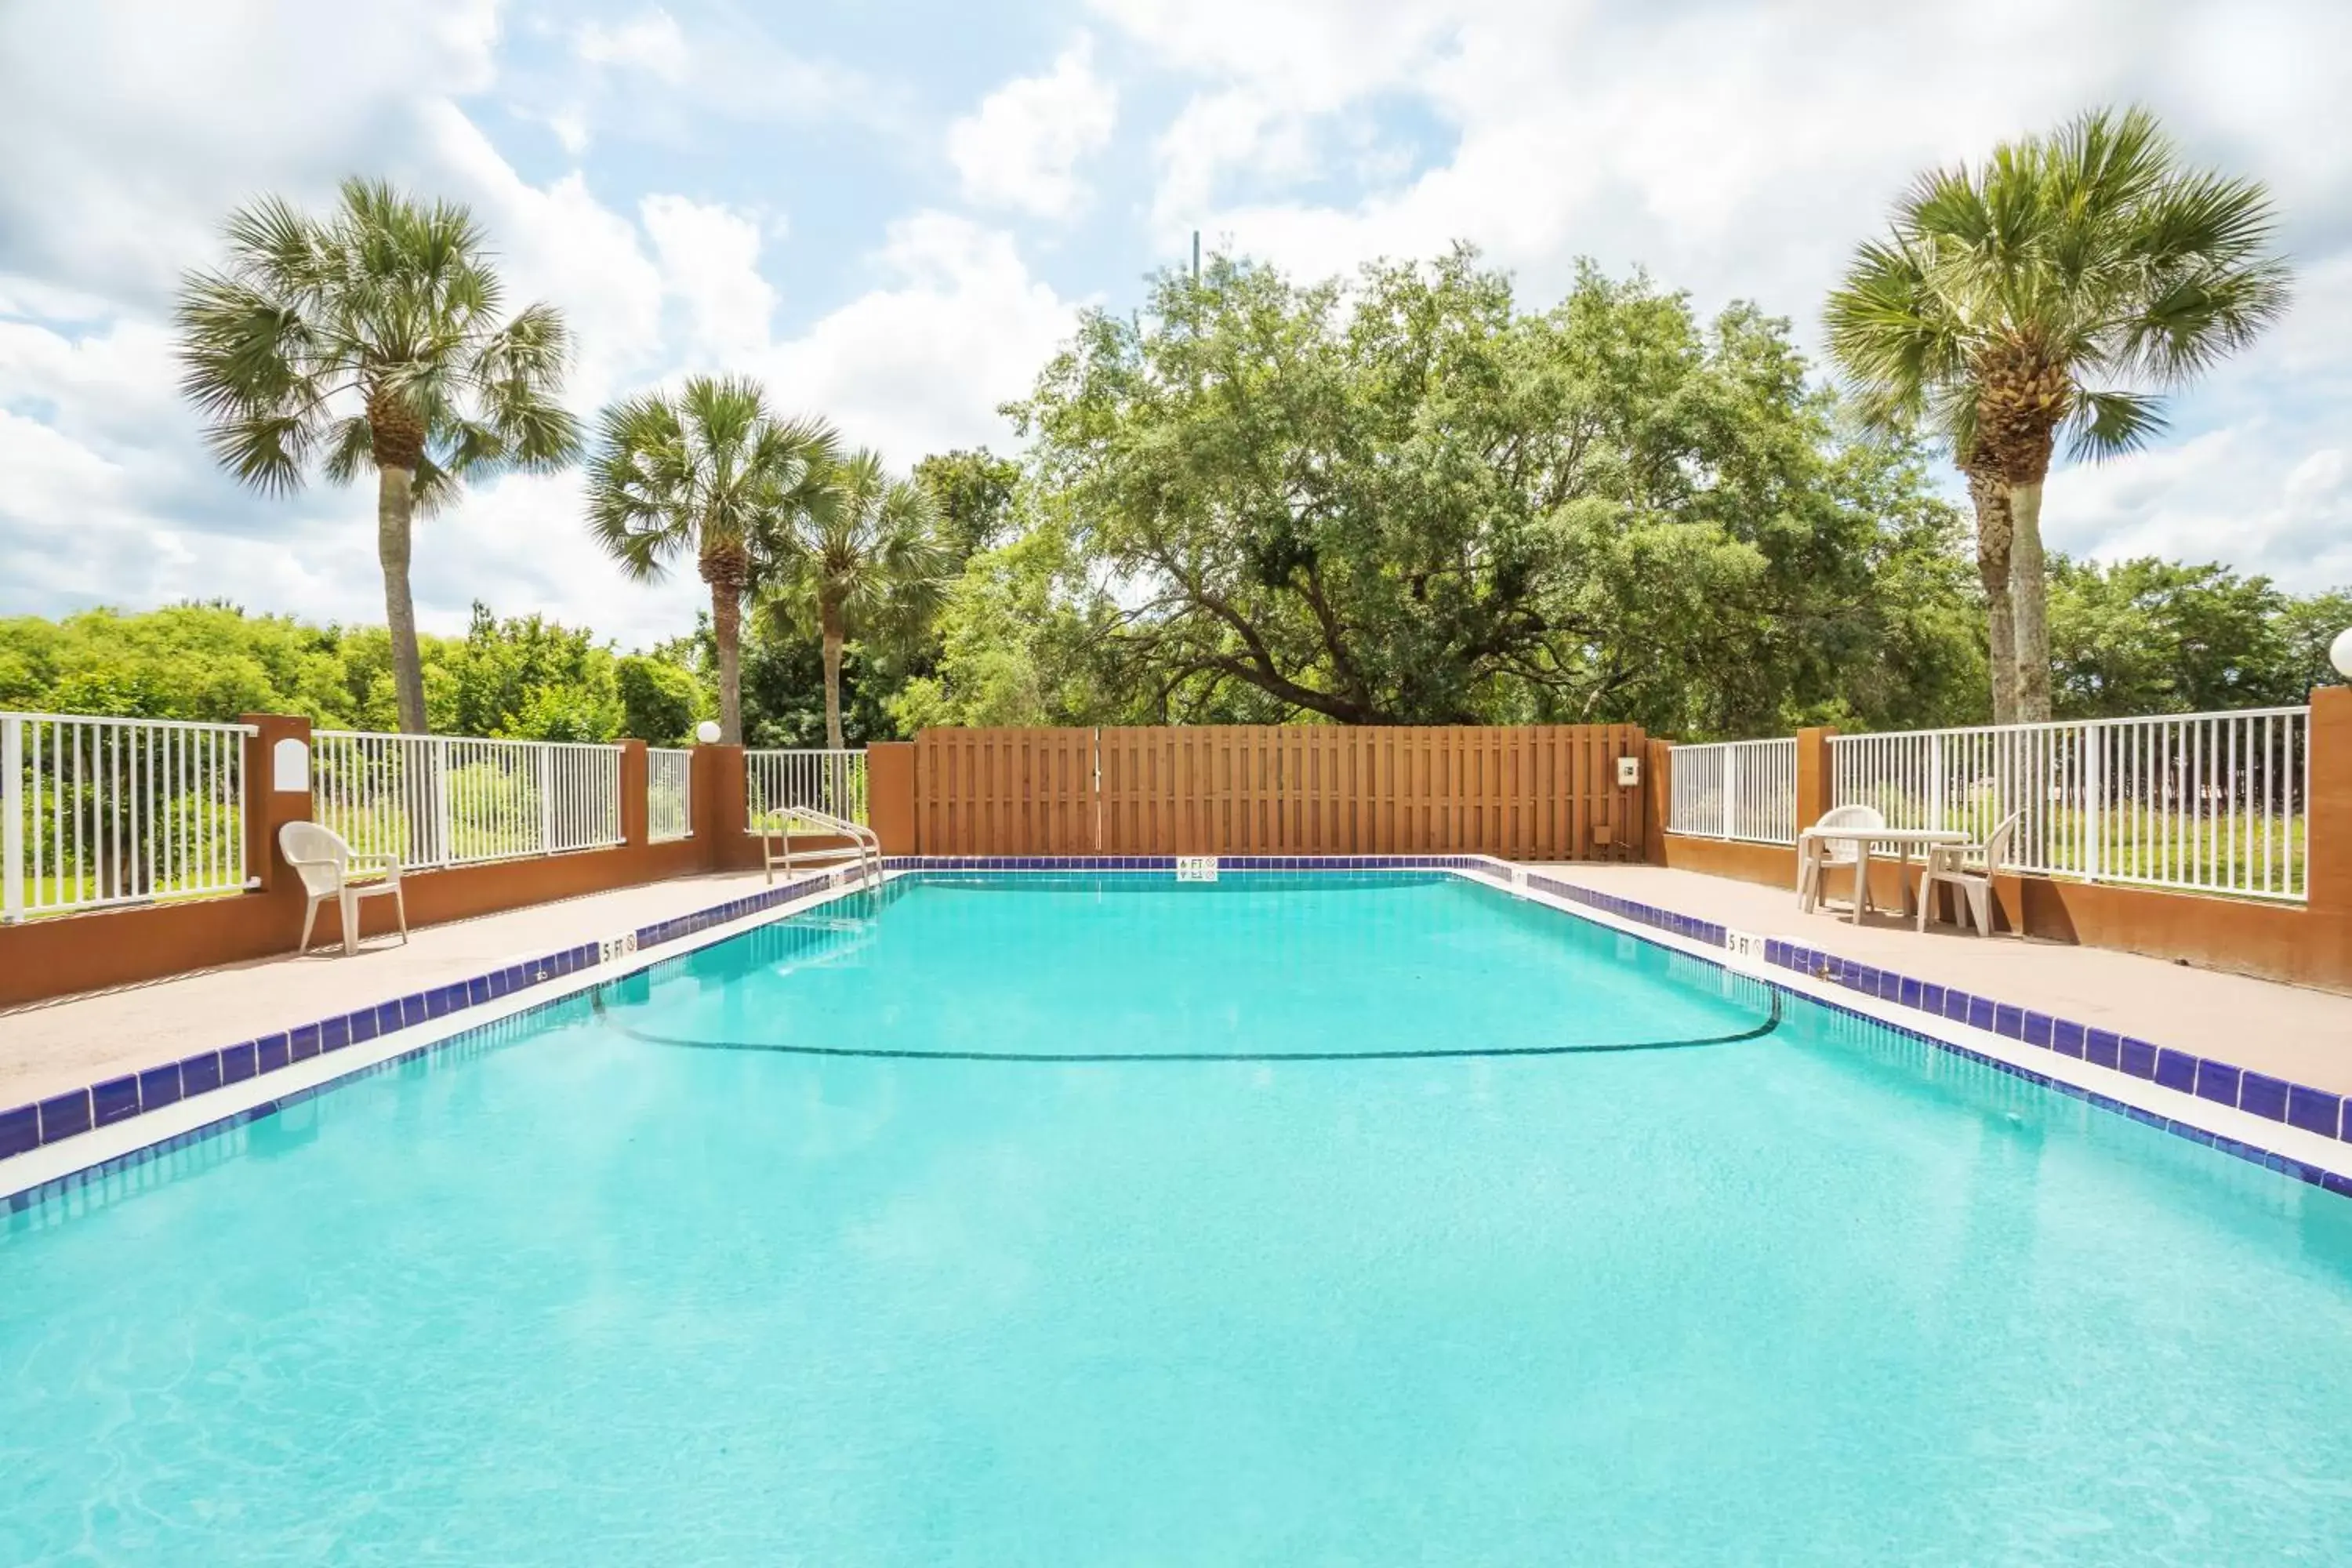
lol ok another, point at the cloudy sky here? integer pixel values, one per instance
(890, 213)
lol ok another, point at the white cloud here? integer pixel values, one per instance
(2245, 495)
(653, 43)
(921, 362)
(1321, 52)
(710, 259)
(1021, 147)
(559, 244)
(1242, 127)
(652, 77)
(130, 127)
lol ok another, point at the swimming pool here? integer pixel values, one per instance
(632, 1280)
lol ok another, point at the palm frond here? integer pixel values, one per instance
(2200, 318)
(866, 546)
(541, 435)
(242, 349)
(351, 449)
(534, 347)
(643, 486)
(1892, 331)
(265, 450)
(2108, 424)
(470, 448)
(2202, 220)
(433, 488)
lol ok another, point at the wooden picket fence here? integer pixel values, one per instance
(1530, 793)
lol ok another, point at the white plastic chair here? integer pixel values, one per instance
(1968, 868)
(1820, 853)
(331, 869)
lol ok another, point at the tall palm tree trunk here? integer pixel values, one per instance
(727, 630)
(2030, 589)
(2021, 398)
(829, 620)
(395, 512)
(1994, 545)
(727, 567)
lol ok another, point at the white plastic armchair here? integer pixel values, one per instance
(1818, 853)
(1968, 868)
(331, 869)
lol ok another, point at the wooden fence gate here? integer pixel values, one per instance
(1545, 792)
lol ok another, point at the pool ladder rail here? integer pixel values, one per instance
(864, 847)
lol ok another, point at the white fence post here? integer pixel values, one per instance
(546, 801)
(1731, 793)
(12, 826)
(1937, 782)
(2093, 788)
(443, 848)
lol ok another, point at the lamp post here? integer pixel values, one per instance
(2339, 653)
(707, 731)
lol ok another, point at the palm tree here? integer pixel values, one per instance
(706, 471)
(2032, 298)
(372, 337)
(866, 558)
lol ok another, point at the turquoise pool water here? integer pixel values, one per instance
(580, 1297)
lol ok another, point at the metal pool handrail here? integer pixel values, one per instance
(866, 849)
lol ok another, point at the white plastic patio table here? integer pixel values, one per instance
(1811, 839)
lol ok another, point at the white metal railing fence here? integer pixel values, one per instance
(435, 800)
(777, 782)
(1735, 789)
(2211, 801)
(95, 812)
(669, 794)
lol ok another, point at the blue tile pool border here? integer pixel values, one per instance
(69, 1114)
(2221, 1083)
(2310, 1110)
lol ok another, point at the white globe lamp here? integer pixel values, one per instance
(2339, 653)
(707, 731)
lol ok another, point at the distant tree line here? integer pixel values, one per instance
(2144, 635)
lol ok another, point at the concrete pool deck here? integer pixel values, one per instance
(2303, 1035)
(49, 1048)
(2287, 1031)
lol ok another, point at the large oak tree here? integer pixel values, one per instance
(1404, 500)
